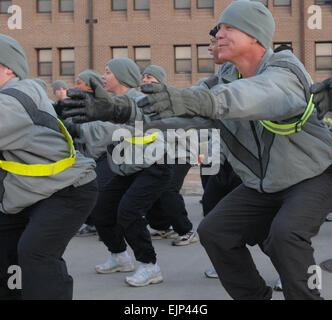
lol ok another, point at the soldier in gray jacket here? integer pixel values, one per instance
(46, 189)
(120, 215)
(284, 162)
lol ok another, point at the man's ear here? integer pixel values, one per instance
(10, 73)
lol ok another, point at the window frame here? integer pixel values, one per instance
(62, 62)
(316, 65)
(175, 59)
(39, 63)
(204, 59)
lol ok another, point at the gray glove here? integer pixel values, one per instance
(322, 97)
(84, 106)
(164, 101)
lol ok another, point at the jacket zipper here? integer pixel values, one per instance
(259, 153)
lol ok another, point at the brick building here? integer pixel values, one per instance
(64, 37)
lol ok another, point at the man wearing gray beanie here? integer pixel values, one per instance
(83, 80)
(157, 73)
(59, 88)
(279, 205)
(47, 190)
(123, 205)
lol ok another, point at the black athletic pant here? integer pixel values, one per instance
(284, 222)
(170, 209)
(125, 203)
(104, 176)
(36, 238)
(218, 186)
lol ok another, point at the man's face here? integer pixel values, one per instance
(148, 78)
(110, 81)
(81, 85)
(61, 93)
(233, 44)
(213, 49)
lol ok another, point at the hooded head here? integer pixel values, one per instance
(13, 56)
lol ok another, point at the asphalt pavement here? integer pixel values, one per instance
(182, 268)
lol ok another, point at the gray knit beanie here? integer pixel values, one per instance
(89, 74)
(13, 57)
(126, 71)
(157, 72)
(252, 18)
(59, 84)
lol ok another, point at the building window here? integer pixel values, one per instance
(324, 56)
(66, 5)
(182, 4)
(182, 59)
(67, 62)
(265, 2)
(44, 62)
(205, 61)
(323, 2)
(119, 52)
(4, 5)
(44, 6)
(142, 4)
(205, 4)
(282, 3)
(143, 57)
(119, 5)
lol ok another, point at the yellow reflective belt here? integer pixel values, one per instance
(41, 170)
(289, 128)
(285, 129)
(142, 140)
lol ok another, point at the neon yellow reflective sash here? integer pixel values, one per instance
(41, 170)
(289, 128)
(142, 140)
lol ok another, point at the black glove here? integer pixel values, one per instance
(72, 128)
(58, 107)
(85, 106)
(322, 97)
(164, 101)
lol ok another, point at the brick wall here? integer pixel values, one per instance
(160, 28)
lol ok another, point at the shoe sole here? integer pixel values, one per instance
(211, 276)
(184, 243)
(156, 280)
(127, 269)
(85, 235)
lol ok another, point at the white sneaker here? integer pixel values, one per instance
(277, 286)
(118, 262)
(163, 234)
(329, 217)
(147, 273)
(186, 239)
(211, 273)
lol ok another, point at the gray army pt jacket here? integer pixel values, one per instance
(266, 161)
(30, 135)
